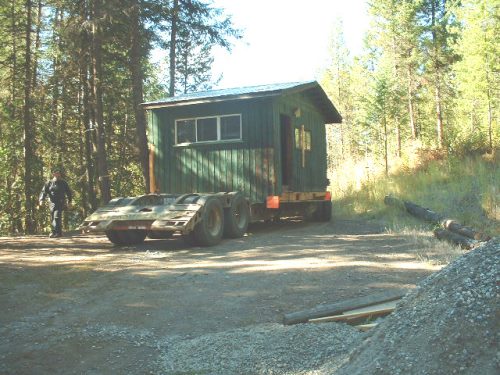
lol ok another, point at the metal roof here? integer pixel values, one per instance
(310, 88)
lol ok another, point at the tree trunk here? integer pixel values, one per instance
(435, 218)
(439, 116)
(89, 165)
(37, 43)
(62, 152)
(173, 40)
(138, 92)
(60, 109)
(14, 59)
(29, 132)
(85, 67)
(386, 146)
(55, 87)
(102, 162)
(455, 238)
(437, 79)
(411, 111)
(490, 114)
(342, 148)
(15, 196)
(186, 69)
(398, 138)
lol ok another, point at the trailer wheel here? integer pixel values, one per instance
(190, 239)
(134, 237)
(326, 211)
(208, 231)
(115, 237)
(236, 217)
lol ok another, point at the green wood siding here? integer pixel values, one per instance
(313, 176)
(251, 165)
(247, 165)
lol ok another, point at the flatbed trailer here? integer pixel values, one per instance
(202, 219)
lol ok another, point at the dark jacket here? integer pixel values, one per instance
(56, 190)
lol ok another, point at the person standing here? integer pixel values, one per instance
(57, 190)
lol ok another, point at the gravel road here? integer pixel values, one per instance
(79, 305)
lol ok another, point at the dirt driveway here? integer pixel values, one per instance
(80, 305)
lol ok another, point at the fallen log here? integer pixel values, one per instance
(455, 238)
(342, 306)
(435, 218)
(423, 213)
(414, 209)
(469, 232)
(359, 315)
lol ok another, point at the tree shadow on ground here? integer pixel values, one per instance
(167, 287)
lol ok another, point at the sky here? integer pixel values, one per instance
(285, 40)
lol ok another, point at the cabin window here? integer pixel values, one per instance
(230, 127)
(302, 139)
(185, 130)
(208, 129)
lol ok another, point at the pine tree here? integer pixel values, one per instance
(336, 81)
(29, 129)
(195, 29)
(477, 74)
(395, 33)
(437, 20)
(139, 46)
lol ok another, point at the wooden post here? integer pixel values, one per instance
(152, 179)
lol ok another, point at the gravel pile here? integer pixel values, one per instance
(449, 325)
(262, 349)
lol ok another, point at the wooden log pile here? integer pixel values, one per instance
(450, 230)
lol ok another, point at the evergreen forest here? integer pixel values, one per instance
(74, 72)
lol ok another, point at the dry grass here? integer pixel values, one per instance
(428, 249)
(463, 189)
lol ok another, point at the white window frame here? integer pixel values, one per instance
(218, 140)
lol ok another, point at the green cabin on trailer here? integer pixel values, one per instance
(263, 141)
(221, 159)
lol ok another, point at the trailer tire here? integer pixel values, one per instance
(326, 211)
(190, 239)
(115, 237)
(323, 212)
(209, 230)
(236, 217)
(134, 237)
